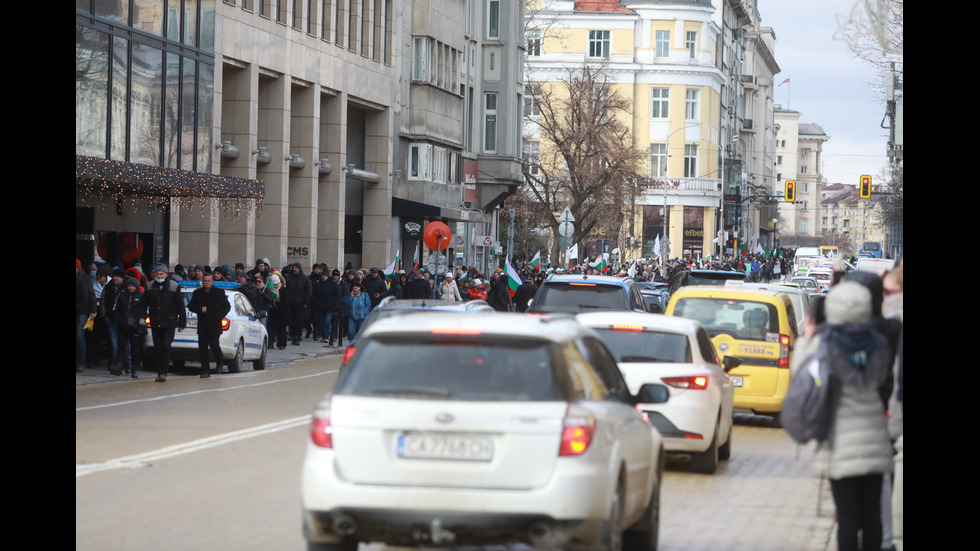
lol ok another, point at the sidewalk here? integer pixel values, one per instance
(308, 348)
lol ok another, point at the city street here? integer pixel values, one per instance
(215, 464)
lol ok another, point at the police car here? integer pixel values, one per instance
(243, 338)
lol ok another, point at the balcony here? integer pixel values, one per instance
(680, 185)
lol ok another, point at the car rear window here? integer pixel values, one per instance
(575, 297)
(696, 278)
(629, 345)
(453, 369)
(742, 319)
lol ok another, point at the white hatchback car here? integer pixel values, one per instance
(478, 430)
(676, 352)
(243, 339)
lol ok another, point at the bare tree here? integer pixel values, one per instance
(586, 161)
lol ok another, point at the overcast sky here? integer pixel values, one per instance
(828, 86)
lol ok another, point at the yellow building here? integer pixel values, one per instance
(663, 56)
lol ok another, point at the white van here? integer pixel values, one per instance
(806, 257)
(874, 265)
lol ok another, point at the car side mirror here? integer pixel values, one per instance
(730, 363)
(652, 393)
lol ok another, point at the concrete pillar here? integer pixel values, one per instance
(377, 196)
(331, 188)
(303, 141)
(272, 110)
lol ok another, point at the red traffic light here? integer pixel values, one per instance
(790, 191)
(865, 188)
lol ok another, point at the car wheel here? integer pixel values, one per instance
(706, 462)
(612, 535)
(258, 364)
(347, 544)
(644, 536)
(235, 364)
(725, 451)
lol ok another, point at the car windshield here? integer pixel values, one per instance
(742, 319)
(575, 297)
(453, 369)
(646, 346)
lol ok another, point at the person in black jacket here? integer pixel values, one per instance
(326, 300)
(164, 305)
(211, 306)
(128, 316)
(298, 298)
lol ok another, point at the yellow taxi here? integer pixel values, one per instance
(757, 327)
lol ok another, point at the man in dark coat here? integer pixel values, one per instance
(524, 293)
(375, 287)
(164, 305)
(298, 298)
(211, 306)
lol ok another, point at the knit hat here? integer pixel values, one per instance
(161, 267)
(848, 302)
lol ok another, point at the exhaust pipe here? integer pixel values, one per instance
(344, 525)
(539, 532)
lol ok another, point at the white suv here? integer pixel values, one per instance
(479, 430)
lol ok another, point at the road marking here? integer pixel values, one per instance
(181, 395)
(140, 460)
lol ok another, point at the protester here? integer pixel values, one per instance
(164, 305)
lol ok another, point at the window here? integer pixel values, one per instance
(658, 160)
(420, 59)
(439, 165)
(490, 122)
(532, 102)
(779, 159)
(690, 161)
(599, 44)
(663, 43)
(691, 43)
(692, 112)
(803, 186)
(534, 39)
(803, 153)
(659, 103)
(532, 156)
(453, 167)
(418, 161)
(493, 19)
(803, 169)
(803, 226)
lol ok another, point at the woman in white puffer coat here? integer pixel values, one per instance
(859, 450)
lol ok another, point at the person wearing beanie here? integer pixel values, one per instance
(128, 316)
(164, 305)
(111, 293)
(858, 452)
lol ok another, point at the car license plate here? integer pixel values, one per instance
(736, 381)
(439, 446)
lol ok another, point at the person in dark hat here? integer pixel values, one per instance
(375, 287)
(164, 305)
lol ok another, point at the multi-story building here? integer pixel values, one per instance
(662, 55)
(746, 57)
(799, 147)
(226, 130)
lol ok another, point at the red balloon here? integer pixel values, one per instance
(431, 237)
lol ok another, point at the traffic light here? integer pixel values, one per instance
(865, 187)
(790, 194)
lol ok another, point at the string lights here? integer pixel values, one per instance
(105, 183)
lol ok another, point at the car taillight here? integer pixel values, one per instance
(225, 324)
(578, 428)
(349, 353)
(697, 382)
(321, 432)
(783, 352)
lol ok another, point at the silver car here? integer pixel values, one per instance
(478, 430)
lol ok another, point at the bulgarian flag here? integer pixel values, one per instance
(600, 262)
(536, 261)
(513, 279)
(391, 269)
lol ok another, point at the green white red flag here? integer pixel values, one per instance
(513, 278)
